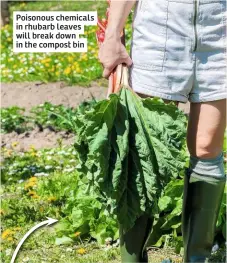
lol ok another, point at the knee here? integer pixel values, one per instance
(205, 148)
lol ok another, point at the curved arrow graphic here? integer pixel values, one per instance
(48, 222)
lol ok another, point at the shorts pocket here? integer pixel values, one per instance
(213, 27)
(149, 34)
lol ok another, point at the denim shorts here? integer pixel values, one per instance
(179, 49)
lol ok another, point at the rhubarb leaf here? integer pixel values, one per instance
(129, 149)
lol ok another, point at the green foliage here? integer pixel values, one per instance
(13, 119)
(167, 224)
(21, 166)
(47, 115)
(129, 150)
(57, 117)
(41, 183)
(84, 214)
(221, 223)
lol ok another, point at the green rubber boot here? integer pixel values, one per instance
(201, 205)
(132, 243)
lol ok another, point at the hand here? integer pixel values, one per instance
(112, 53)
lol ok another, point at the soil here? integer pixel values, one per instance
(37, 139)
(29, 94)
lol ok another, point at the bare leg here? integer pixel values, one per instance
(207, 123)
(205, 180)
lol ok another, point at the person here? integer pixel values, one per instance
(178, 53)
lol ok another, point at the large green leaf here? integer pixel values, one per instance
(104, 227)
(129, 149)
(172, 193)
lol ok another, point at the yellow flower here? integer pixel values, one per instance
(6, 233)
(78, 70)
(67, 71)
(33, 179)
(51, 199)
(57, 73)
(33, 154)
(9, 239)
(81, 251)
(70, 59)
(31, 193)
(9, 153)
(48, 59)
(34, 196)
(77, 234)
(14, 144)
(45, 61)
(76, 64)
(32, 147)
(9, 39)
(84, 56)
(14, 66)
(47, 65)
(33, 151)
(30, 184)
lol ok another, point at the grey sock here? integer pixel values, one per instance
(208, 167)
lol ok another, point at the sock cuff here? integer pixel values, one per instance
(213, 167)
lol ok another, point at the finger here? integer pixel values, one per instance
(106, 73)
(128, 61)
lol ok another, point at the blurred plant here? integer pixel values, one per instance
(13, 119)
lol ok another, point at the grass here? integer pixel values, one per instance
(40, 247)
(44, 183)
(40, 184)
